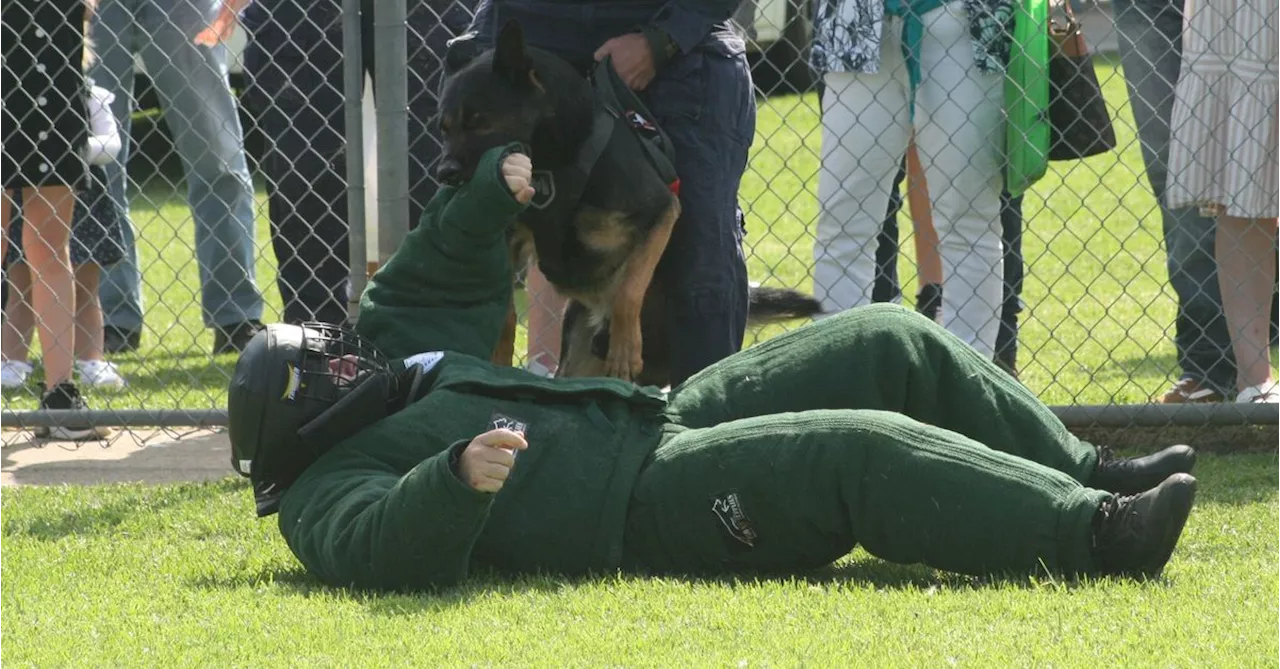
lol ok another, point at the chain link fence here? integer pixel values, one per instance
(252, 163)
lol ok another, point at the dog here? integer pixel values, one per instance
(602, 214)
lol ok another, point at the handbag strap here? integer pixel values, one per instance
(1068, 37)
(1072, 22)
(1071, 13)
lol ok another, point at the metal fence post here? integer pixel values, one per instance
(391, 65)
(353, 87)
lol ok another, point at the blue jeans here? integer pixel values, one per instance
(1150, 35)
(200, 113)
(705, 102)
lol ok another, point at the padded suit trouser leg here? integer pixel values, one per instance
(875, 427)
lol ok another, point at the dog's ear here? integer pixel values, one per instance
(459, 51)
(510, 59)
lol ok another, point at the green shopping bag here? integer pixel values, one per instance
(1026, 98)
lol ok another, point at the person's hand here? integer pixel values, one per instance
(517, 171)
(219, 30)
(632, 58)
(486, 461)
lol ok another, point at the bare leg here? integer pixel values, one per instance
(1246, 274)
(19, 320)
(46, 241)
(88, 313)
(926, 237)
(5, 210)
(546, 312)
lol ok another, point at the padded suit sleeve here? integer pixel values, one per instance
(357, 525)
(449, 285)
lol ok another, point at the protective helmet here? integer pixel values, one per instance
(296, 391)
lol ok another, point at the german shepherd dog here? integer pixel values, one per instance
(597, 226)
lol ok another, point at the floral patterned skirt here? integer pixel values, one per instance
(97, 226)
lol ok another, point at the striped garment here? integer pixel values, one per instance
(1223, 154)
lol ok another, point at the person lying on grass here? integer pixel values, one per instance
(398, 456)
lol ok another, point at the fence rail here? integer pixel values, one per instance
(272, 197)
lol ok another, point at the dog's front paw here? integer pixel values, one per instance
(624, 360)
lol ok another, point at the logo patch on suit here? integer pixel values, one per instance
(544, 189)
(501, 421)
(728, 508)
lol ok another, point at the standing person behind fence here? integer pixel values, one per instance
(690, 69)
(295, 91)
(97, 241)
(891, 66)
(887, 287)
(200, 112)
(44, 127)
(929, 292)
(1223, 159)
(1149, 36)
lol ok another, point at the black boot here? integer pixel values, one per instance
(1135, 535)
(1128, 476)
(120, 340)
(929, 300)
(1007, 342)
(233, 338)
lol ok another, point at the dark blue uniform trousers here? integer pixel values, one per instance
(294, 73)
(705, 103)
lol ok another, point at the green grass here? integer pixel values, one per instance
(1099, 316)
(183, 575)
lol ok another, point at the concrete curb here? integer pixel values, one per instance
(128, 456)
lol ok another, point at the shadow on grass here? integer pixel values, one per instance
(486, 584)
(106, 515)
(1229, 480)
(1116, 372)
(293, 579)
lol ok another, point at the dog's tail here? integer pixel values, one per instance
(769, 305)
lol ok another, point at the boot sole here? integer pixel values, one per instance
(72, 434)
(1174, 501)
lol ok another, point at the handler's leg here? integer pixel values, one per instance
(703, 100)
(797, 491)
(889, 358)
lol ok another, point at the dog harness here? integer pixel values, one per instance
(623, 104)
(558, 192)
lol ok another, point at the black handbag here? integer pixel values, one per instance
(1079, 122)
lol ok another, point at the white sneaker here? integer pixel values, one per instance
(14, 373)
(1263, 393)
(100, 373)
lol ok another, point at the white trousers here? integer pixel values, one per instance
(958, 122)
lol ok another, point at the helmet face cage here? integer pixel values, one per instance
(334, 358)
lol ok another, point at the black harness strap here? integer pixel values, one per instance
(624, 104)
(558, 192)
